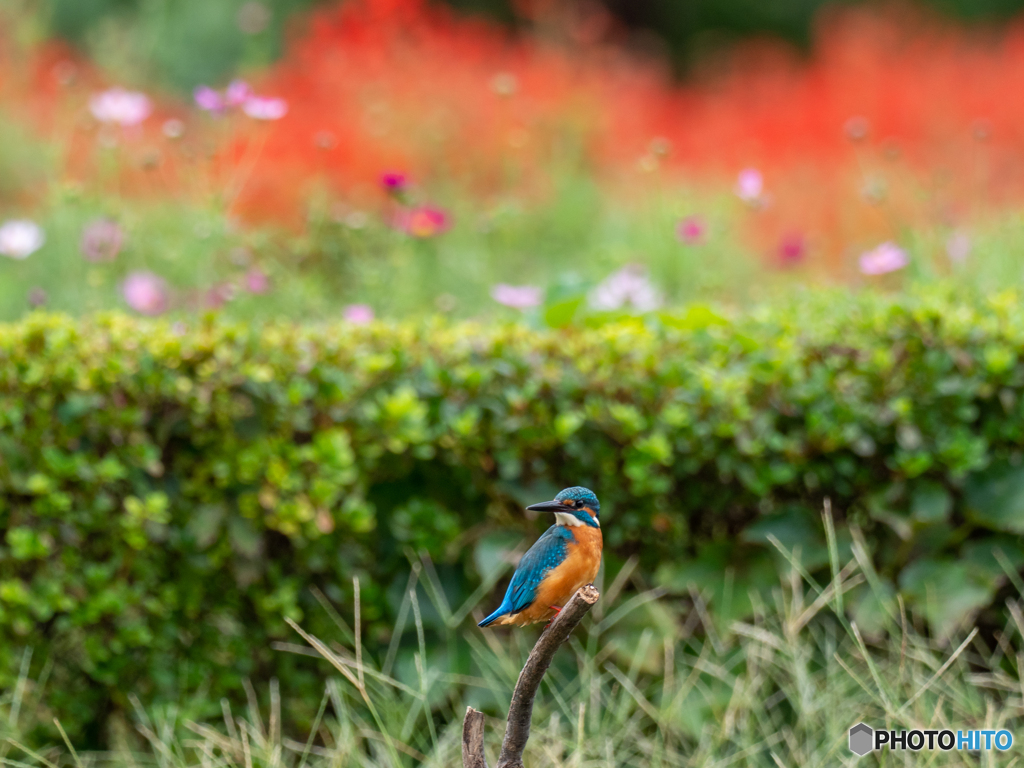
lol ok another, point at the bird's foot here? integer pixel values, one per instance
(557, 609)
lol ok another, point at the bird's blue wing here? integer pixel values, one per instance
(548, 552)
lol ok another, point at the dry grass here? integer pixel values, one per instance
(635, 686)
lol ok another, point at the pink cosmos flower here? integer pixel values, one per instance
(101, 240)
(265, 108)
(146, 293)
(20, 238)
(630, 285)
(208, 99)
(691, 230)
(959, 246)
(359, 314)
(237, 93)
(792, 249)
(425, 221)
(885, 258)
(517, 296)
(117, 105)
(393, 182)
(257, 281)
(219, 295)
(749, 185)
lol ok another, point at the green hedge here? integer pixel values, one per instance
(169, 494)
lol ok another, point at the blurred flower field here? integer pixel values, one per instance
(400, 160)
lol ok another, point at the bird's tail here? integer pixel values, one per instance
(493, 617)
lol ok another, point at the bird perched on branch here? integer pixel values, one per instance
(566, 557)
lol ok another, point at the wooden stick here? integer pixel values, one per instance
(473, 739)
(520, 711)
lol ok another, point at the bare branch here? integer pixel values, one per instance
(473, 739)
(520, 711)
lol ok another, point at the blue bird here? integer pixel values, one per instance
(566, 557)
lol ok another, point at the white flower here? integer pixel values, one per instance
(173, 128)
(120, 106)
(265, 108)
(749, 185)
(629, 285)
(20, 238)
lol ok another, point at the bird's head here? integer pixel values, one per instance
(573, 506)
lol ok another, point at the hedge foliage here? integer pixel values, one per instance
(169, 494)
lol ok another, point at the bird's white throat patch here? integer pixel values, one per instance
(564, 518)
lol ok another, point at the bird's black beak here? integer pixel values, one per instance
(549, 506)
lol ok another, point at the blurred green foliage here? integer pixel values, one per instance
(169, 495)
(181, 43)
(691, 26)
(187, 42)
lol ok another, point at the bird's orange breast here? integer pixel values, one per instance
(580, 567)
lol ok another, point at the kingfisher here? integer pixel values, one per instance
(566, 557)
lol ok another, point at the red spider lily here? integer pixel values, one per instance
(404, 83)
(884, 101)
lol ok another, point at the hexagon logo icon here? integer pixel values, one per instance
(861, 738)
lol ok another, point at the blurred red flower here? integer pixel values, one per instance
(884, 101)
(792, 249)
(424, 221)
(691, 230)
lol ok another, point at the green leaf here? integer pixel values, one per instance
(245, 539)
(947, 591)
(205, 524)
(695, 317)
(27, 544)
(869, 606)
(796, 530)
(562, 313)
(726, 576)
(930, 503)
(995, 498)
